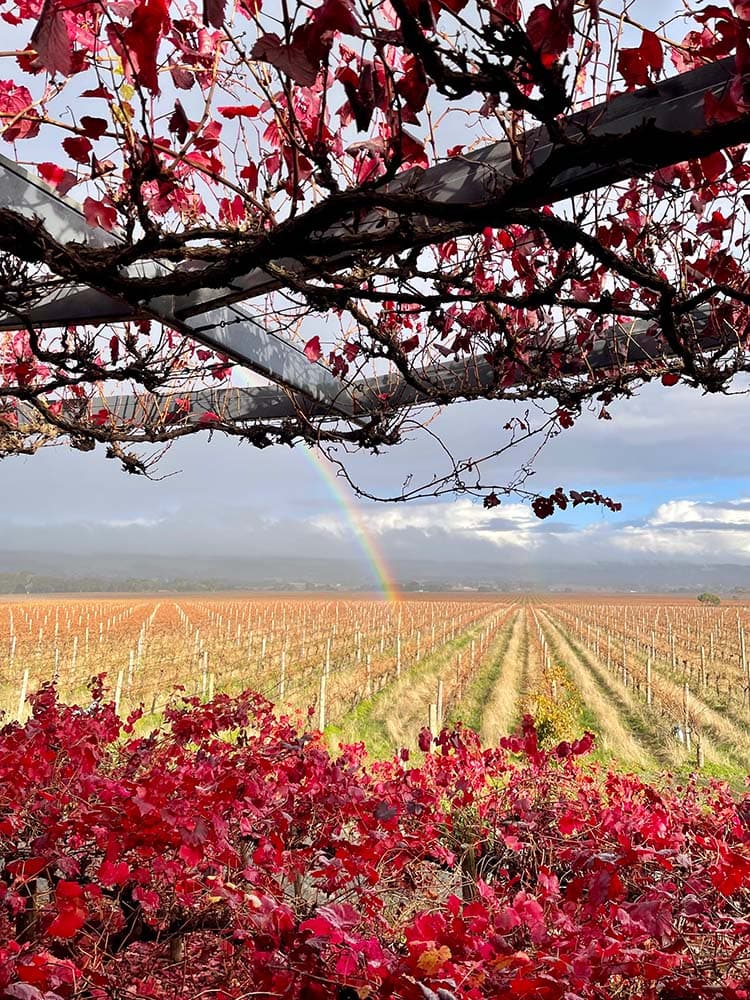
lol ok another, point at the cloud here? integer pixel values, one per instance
(675, 457)
(130, 522)
(710, 532)
(451, 524)
(678, 530)
(735, 513)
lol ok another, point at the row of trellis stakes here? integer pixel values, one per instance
(615, 654)
(285, 685)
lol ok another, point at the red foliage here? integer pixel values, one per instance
(638, 66)
(256, 139)
(232, 854)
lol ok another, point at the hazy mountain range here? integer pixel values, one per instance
(40, 572)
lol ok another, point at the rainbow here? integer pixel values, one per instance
(365, 540)
(344, 500)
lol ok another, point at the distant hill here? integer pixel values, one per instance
(37, 572)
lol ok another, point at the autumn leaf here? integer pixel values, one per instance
(239, 111)
(16, 104)
(140, 41)
(638, 66)
(78, 148)
(292, 59)
(550, 30)
(208, 418)
(214, 12)
(94, 128)
(52, 41)
(71, 915)
(57, 177)
(100, 213)
(313, 350)
(432, 960)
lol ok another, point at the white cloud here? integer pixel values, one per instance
(733, 512)
(461, 516)
(683, 530)
(131, 522)
(511, 525)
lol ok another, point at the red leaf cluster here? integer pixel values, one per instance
(230, 853)
(639, 66)
(545, 506)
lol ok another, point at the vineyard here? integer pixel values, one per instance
(153, 848)
(663, 685)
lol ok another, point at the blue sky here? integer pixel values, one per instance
(677, 460)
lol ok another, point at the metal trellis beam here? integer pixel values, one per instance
(666, 123)
(663, 124)
(227, 328)
(627, 346)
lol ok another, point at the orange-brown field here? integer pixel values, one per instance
(281, 646)
(664, 682)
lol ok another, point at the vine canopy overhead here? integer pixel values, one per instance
(378, 207)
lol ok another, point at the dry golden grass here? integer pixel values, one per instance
(501, 711)
(723, 742)
(402, 708)
(614, 737)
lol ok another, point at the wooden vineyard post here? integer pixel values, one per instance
(22, 695)
(686, 714)
(368, 669)
(432, 723)
(322, 702)
(649, 693)
(118, 692)
(204, 672)
(328, 656)
(282, 676)
(211, 686)
(439, 703)
(609, 652)
(703, 668)
(744, 664)
(398, 655)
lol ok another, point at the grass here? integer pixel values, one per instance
(721, 760)
(471, 710)
(392, 717)
(501, 710)
(603, 711)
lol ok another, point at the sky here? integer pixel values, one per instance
(676, 459)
